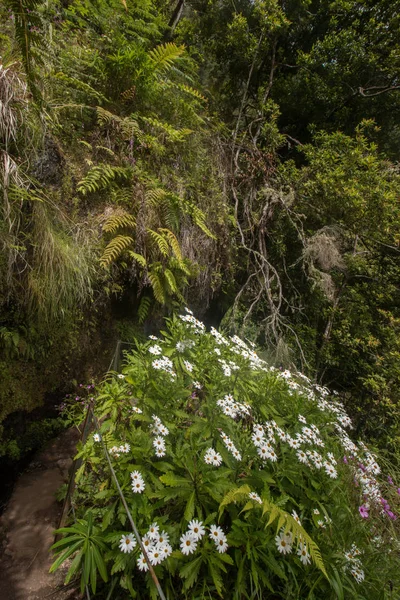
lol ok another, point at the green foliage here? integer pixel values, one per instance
(85, 544)
(189, 395)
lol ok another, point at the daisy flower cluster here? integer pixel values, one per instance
(228, 367)
(196, 325)
(181, 346)
(160, 432)
(353, 563)
(284, 544)
(157, 547)
(212, 457)
(233, 409)
(116, 451)
(230, 446)
(156, 350)
(164, 364)
(188, 366)
(219, 538)
(138, 484)
(190, 539)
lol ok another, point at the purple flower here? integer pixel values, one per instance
(398, 491)
(345, 459)
(363, 510)
(77, 398)
(390, 480)
(391, 515)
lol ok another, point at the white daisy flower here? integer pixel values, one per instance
(153, 337)
(155, 556)
(96, 437)
(138, 486)
(196, 528)
(188, 543)
(162, 538)
(302, 419)
(197, 385)
(160, 452)
(284, 542)
(120, 376)
(222, 545)
(316, 511)
(258, 439)
(153, 532)
(255, 497)
(127, 543)
(302, 456)
(296, 517)
(158, 442)
(188, 366)
(216, 533)
(147, 541)
(142, 563)
(180, 346)
(166, 550)
(136, 410)
(272, 456)
(302, 552)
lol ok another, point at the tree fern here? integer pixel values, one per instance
(114, 249)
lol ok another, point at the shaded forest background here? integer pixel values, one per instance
(236, 156)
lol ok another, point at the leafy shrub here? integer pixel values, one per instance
(242, 481)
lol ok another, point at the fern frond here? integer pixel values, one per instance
(173, 134)
(81, 85)
(164, 56)
(100, 177)
(157, 287)
(144, 308)
(114, 249)
(171, 281)
(117, 221)
(138, 257)
(173, 242)
(155, 195)
(285, 520)
(160, 241)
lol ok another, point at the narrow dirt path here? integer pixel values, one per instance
(27, 525)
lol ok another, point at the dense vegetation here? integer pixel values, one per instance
(241, 158)
(236, 156)
(242, 480)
